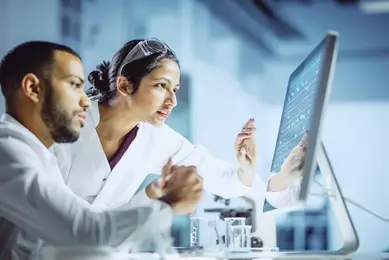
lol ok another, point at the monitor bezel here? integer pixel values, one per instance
(325, 85)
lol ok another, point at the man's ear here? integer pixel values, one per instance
(124, 86)
(31, 87)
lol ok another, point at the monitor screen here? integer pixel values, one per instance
(299, 127)
(296, 118)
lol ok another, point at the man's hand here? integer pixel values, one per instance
(183, 189)
(179, 186)
(155, 189)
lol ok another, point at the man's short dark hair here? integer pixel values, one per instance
(30, 57)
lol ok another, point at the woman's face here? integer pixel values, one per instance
(156, 96)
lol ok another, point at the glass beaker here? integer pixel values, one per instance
(203, 234)
(230, 222)
(240, 238)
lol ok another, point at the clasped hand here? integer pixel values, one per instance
(179, 186)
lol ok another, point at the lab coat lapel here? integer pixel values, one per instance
(126, 176)
(87, 152)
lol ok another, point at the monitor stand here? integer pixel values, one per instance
(342, 217)
(337, 203)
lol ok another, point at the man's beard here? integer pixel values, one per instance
(57, 119)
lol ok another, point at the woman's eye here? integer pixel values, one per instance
(75, 84)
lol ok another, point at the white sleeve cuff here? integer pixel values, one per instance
(286, 197)
(140, 199)
(125, 222)
(131, 225)
(239, 186)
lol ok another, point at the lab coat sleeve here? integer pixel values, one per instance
(220, 177)
(286, 197)
(45, 207)
(141, 198)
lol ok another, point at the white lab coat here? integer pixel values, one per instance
(87, 172)
(36, 204)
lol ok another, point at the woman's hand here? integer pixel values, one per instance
(292, 168)
(246, 152)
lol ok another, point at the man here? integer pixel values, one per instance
(43, 86)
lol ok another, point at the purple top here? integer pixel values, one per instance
(130, 136)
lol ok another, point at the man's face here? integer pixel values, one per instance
(65, 101)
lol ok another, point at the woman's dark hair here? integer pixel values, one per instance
(103, 79)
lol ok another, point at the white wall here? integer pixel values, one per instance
(220, 108)
(103, 31)
(19, 22)
(357, 139)
(25, 21)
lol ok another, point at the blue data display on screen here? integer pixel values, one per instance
(298, 109)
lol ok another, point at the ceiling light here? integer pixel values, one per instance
(374, 7)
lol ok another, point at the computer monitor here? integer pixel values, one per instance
(306, 95)
(299, 151)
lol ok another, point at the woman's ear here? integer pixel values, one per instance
(124, 87)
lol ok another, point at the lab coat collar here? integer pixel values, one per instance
(89, 146)
(45, 153)
(94, 113)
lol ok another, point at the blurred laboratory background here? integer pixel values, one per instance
(236, 57)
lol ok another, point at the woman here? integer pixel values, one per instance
(125, 137)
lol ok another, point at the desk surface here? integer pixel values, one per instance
(295, 256)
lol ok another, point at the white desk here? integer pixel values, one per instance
(277, 256)
(366, 256)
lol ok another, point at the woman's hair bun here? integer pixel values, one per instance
(99, 78)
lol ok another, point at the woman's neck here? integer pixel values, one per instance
(115, 121)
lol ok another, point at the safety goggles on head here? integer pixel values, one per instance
(144, 49)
